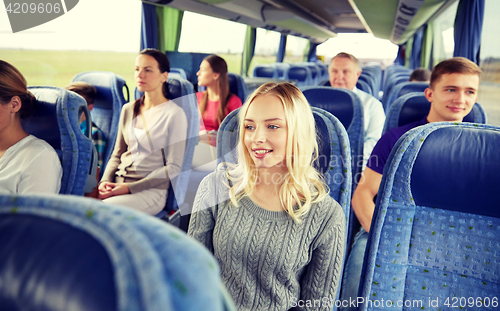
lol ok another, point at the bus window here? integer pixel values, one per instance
(266, 48)
(295, 49)
(206, 34)
(489, 90)
(444, 43)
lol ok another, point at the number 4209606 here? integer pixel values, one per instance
(456, 302)
(40, 8)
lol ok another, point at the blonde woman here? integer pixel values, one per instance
(276, 233)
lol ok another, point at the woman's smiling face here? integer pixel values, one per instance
(266, 132)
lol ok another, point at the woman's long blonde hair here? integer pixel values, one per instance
(302, 184)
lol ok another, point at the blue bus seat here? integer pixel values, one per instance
(107, 105)
(434, 233)
(300, 73)
(56, 119)
(281, 68)
(63, 253)
(391, 83)
(179, 71)
(403, 88)
(237, 86)
(347, 108)
(325, 82)
(413, 107)
(316, 74)
(365, 87)
(265, 71)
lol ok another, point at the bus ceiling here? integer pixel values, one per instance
(319, 20)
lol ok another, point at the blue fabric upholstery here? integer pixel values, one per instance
(365, 87)
(281, 68)
(107, 105)
(316, 74)
(398, 78)
(56, 106)
(345, 106)
(182, 93)
(265, 71)
(300, 73)
(237, 86)
(69, 253)
(403, 88)
(435, 229)
(414, 107)
(179, 71)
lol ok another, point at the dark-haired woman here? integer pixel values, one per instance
(150, 144)
(27, 164)
(216, 102)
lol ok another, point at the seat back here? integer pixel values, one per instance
(403, 88)
(265, 71)
(107, 105)
(180, 72)
(300, 73)
(237, 86)
(413, 107)
(182, 93)
(56, 119)
(434, 235)
(391, 83)
(65, 253)
(365, 87)
(281, 68)
(347, 108)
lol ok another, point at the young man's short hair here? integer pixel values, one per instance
(454, 65)
(84, 89)
(420, 75)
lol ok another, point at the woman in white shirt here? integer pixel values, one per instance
(27, 164)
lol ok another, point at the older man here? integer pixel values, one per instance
(344, 71)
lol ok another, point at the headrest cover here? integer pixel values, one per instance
(457, 169)
(336, 101)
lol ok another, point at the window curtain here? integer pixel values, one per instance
(169, 28)
(248, 50)
(149, 27)
(282, 49)
(311, 54)
(468, 27)
(400, 58)
(426, 52)
(416, 49)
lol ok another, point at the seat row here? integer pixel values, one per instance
(305, 74)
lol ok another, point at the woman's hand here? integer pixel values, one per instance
(109, 189)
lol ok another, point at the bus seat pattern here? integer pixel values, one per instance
(435, 229)
(413, 107)
(107, 105)
(403, 88)
(56, 119)
(71, 253)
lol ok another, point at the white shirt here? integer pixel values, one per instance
(374, 117)
(31, 165)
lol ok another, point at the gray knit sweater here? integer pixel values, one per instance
(268, 261)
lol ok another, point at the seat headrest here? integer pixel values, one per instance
(338, 102)
(109, 87)
(43, 121)
(66, 264)
(417, 107)
(264, 72)
(297, 73)
(457, 169)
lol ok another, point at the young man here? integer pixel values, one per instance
(89, 92)
(452, 93)
(344, 71)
